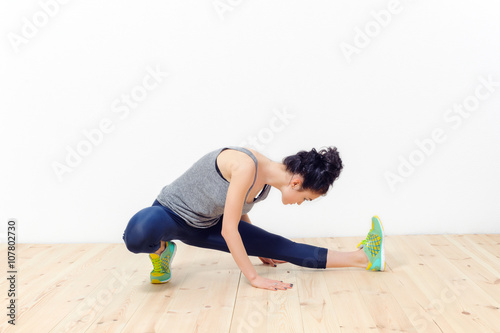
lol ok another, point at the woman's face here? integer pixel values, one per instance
(293, 193)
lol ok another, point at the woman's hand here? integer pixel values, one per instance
(271, 262)
(263, 283)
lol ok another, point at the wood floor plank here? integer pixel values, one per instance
(318, 311)
(408, 284)
(444, 294)
(107, 306)
(485, 253)
(29, 256)
(468, 306)
(60, 284)
(284, 310)
(356, 316)
(217, 309)
(491, 245)
(350, 313)
(73, 287)
(491, 239)
(463, 255)
(433, 283)
(182, 313)
(494, 237)
(32, 271)
(251, 307)
(157, 297)
(381, 304)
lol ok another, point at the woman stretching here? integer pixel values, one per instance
(208, 207)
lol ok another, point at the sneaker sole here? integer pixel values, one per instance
(173, 255)
(382, 245)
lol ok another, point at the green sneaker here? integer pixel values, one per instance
(161, 264)
(373, 246)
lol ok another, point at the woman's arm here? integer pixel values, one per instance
(242, 176)
(241, 180)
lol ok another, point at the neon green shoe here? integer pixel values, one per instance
(373, 246)
(161, 264)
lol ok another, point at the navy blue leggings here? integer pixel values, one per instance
(158, 223)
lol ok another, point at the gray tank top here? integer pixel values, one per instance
(199, 195)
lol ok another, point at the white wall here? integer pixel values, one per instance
(232, 67)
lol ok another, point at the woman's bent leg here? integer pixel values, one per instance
(147, 228)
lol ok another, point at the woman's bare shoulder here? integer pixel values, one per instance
(230, 160)
(260, 157)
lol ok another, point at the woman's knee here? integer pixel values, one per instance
(143, 232)
(134, 246)
(133, 241)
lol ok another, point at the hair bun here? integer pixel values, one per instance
(319, 169)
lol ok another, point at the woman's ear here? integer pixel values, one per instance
(296, 182)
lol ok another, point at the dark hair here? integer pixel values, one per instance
(319, 169)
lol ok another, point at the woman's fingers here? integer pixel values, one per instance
(267, 261)
(279, 285)
(271, 262)
(279, 261)
(269, 284)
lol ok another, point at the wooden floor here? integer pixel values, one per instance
(432, 284)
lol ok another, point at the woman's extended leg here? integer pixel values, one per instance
(261, 243)
(346, 259)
